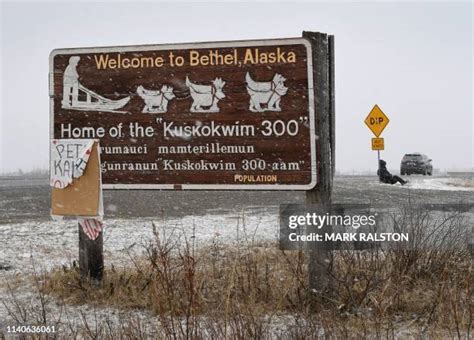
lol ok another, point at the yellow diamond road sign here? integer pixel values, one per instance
(376, 120)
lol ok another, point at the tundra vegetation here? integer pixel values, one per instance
(179, 289)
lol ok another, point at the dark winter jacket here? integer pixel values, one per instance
(384, 175)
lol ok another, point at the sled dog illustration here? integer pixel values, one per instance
(206, 95)
(74, 93)
(156, 101)
(266, 93)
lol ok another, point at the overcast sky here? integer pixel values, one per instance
(412, 59)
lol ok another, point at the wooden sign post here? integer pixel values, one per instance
(91, 256)
(323, 71)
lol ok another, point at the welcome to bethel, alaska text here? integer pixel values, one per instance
(213, 57)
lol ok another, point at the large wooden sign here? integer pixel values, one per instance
(226, 115)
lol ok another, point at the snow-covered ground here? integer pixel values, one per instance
(29, 239)
(34, 247)
(442, 183)
(50, 243)
(53, 243)
(446, 183)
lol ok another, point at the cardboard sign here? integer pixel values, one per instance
(224, 115)
(378, 144)
(376, 120)
(82, 195)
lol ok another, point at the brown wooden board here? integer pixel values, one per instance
(82, 196)
(159, 131)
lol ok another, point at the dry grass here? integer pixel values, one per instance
(257, 291)
(217, 281)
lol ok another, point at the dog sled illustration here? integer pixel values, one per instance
(266, 93)
(156, 101)
(264, 96)
(206, 97)
(78, 97)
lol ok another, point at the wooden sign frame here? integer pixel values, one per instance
(226, 44)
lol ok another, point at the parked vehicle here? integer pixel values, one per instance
(416, 163)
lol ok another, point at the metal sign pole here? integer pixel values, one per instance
(378, 164)
(376, 121)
